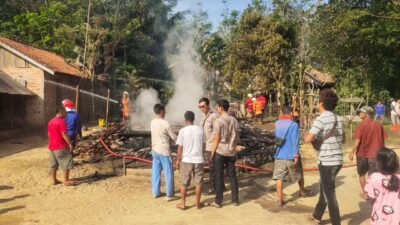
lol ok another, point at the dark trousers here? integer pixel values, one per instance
(327, 195)
(211, 176)
(220, 162)
(73, 140)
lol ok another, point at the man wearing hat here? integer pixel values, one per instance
(368, 139)
(73, 121)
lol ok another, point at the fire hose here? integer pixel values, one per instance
(206, 166)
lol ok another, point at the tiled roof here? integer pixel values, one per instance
(49, 60)
(12, 87)
(315, 76)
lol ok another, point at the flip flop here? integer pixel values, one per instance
(216, 205)
(70, 183)
(307, 193)
(170, 198)
(282, 203)
(311, 218)
(57, 182)
(179, 206)
(199, 206)
(159, 195)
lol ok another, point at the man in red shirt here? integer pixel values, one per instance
(368, 139)
(60, 147)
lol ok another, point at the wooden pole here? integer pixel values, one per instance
(108, 106)
(77, 90)
(86, 37)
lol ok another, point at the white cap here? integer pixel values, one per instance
(254, 99)
(249, 95)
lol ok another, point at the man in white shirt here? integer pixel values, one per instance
(191, 144)
(395, 114)
(161, 138)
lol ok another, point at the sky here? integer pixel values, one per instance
(214, 8)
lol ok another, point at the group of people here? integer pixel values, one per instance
(255, 106)
(212, 143)
(327, 136)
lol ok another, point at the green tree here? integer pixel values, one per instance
(358, 41)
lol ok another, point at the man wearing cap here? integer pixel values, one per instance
(73, 121)
(368, 139)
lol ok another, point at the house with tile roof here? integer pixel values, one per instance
(33, 82)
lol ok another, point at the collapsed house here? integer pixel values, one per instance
(34, 81)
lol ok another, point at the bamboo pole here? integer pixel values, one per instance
(108, 106)
(77, 90)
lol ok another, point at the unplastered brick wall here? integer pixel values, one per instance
(33, 78)
(54, 94)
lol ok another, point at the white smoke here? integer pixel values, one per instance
(187, 75)
(143, 109)
(188, 78)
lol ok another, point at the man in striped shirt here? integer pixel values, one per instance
(330, 154)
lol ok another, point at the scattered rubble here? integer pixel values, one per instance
(255, 146)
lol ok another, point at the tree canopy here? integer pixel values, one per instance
(265, 47)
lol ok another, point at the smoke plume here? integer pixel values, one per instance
(188, 78)
(143, 109)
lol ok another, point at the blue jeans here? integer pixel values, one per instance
(161, 162)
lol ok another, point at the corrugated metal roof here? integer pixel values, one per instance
(12, 87)
(319, 78)
(47, 59)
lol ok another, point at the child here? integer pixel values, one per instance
(383, 188)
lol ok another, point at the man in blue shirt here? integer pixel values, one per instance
(380, 111)
(73, 121)
(287, 157)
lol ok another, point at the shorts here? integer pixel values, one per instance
(61, 158)
(186, 171)
(365, 165)
(380, 117)
(284, 167)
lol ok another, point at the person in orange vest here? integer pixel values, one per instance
(249, 105)
(257, 108)
(126, 104)
(261, 98)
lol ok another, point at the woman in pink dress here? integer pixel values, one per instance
(383, 188)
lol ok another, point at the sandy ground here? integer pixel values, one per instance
(26, 197)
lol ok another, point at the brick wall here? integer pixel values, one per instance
(54, 94)
(40, 108)
(35, 114)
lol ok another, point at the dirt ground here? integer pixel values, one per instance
(27, 198)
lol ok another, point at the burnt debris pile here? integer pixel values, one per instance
(119, 139)
(254, 145)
